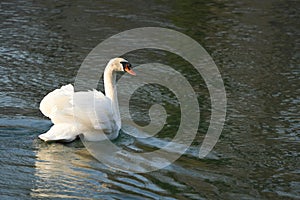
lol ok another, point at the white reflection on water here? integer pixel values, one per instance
(63, 171)
(69, 171)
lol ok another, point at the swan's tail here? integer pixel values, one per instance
(64, 132)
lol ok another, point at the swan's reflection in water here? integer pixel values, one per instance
(69, 171)
(63, 171)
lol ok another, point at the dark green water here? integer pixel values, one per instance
(255, 45)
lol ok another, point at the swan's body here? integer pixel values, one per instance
(89, 113)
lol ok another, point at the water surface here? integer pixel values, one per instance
(255, 45)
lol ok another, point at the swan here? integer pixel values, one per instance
(90, 113)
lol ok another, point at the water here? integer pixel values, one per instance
(255, 45)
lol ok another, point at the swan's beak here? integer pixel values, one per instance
(130, 71)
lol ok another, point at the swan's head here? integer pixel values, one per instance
(120, 64)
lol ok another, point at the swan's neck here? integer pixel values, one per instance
(111, 92)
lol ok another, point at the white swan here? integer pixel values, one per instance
(90, 113)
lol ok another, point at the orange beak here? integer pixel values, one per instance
(130, 71)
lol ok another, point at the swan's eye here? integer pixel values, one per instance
(126, 66)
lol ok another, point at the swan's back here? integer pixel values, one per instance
(93, 109)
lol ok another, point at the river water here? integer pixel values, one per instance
(255, 45)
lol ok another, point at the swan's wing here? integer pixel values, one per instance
(93, 109)
(57, 105)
